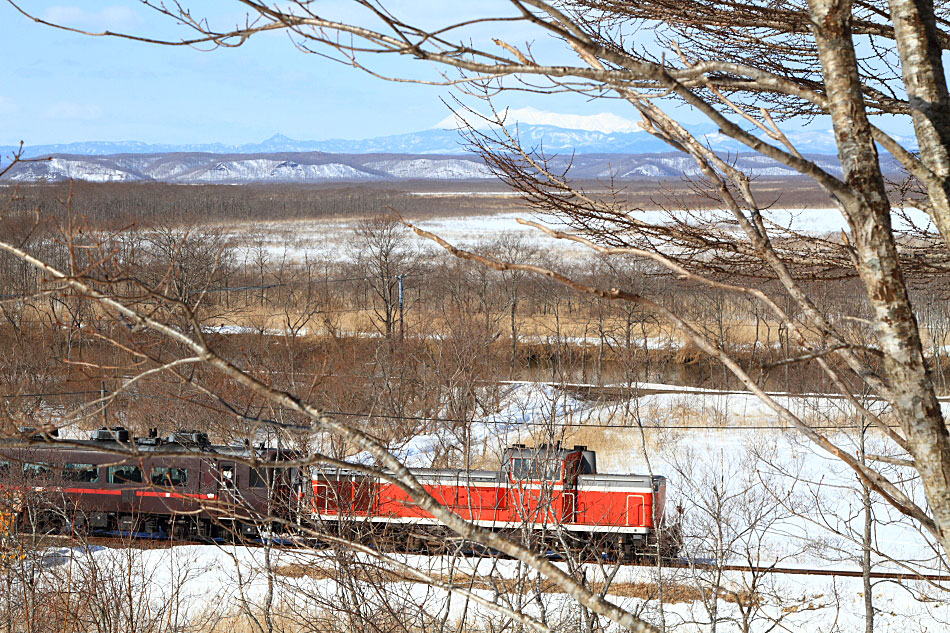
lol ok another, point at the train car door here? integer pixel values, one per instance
(227, 478)
(635, 510)
(572, 467)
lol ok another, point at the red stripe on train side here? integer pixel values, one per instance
(91, 491)
(138, 493)
(173, 495)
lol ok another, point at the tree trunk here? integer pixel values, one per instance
(926, 85)
(868, 213)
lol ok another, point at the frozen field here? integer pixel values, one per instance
(731, 463)
(334, 239)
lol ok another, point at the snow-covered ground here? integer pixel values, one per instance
(198, 584)
(334, 239)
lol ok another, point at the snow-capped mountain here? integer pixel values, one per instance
(326, 167)
(442, 140)
(240, 168)
(600, 147)
(436, 141)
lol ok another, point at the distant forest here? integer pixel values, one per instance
(117, 205)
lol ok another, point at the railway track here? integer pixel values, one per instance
(802, 571)
(114, 542)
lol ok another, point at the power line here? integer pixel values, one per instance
(487, 421)
(533, 423)
(45, 395)
(314, 281)
(599, 425)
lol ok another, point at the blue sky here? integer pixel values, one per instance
(60, 87)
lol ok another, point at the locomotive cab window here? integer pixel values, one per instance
(81, 472)
(125, 475)
(529, 469)
(169, 476)
(571, 471)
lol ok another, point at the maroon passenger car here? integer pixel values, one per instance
(181, 486)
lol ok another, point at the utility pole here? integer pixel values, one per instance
(402, 326)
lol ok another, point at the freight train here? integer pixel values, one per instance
(184, 487)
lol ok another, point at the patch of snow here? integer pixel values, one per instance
(449, 169)
(63, 169)
(278, 170)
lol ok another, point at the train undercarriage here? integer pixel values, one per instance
(429, 539)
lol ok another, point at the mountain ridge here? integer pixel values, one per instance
(319, 167)
(434, 141)
(430, 154)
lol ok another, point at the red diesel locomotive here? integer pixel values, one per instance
(548, 490)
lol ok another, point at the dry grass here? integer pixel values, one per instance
(298, 570)
(673, 593)
(613, 444)
(537, 327)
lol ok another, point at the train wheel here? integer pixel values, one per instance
(177, 529)
(667, 541)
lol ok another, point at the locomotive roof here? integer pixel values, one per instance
(607, 479)
(600, 479)
(420, 473)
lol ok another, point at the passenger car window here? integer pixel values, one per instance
(37, 469)
(125, 475)
(264, 477)
(257, 478)
(81, 472)
(169, 476)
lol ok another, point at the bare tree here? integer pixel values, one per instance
(382, 251)
(732, 516)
